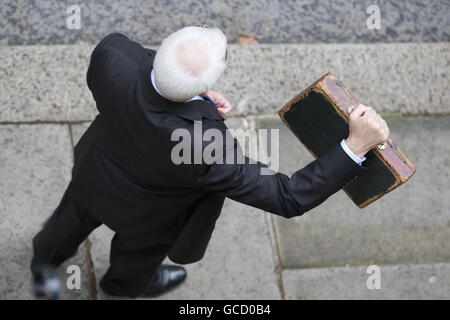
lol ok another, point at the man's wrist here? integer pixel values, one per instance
(356, 148)
(354, 157)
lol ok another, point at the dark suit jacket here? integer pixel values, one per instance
(123, 172)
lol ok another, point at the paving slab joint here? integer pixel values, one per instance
(91, 270)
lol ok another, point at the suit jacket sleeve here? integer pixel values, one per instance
(277, 193)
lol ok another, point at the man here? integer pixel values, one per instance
(124, 174)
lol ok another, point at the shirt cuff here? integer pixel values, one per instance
(354, 157)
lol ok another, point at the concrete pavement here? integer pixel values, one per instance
(35, 169)
(409, 78)
(409, 225)
(403, 282)
(305, 257)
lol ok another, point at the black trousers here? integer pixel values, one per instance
(130, 271)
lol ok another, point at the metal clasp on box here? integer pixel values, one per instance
(382, 146)
(350, 108)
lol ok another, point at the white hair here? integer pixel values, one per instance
(189, 62)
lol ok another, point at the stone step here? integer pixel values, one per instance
(409, 225)
(416, 281)
(287, 21)
(47, 83)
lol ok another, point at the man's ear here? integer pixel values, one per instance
(163, 40)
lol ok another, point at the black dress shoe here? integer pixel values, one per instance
(46, 283)
(167, 277)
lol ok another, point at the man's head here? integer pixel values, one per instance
(189, 62)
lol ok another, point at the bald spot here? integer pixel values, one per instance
(191, 57)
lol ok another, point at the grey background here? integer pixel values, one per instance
(287, 21)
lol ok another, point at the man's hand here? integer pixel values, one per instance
(223, 105)
(367, 130)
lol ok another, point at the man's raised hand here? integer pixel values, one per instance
(223, 105)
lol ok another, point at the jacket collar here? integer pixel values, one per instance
(194, 110)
